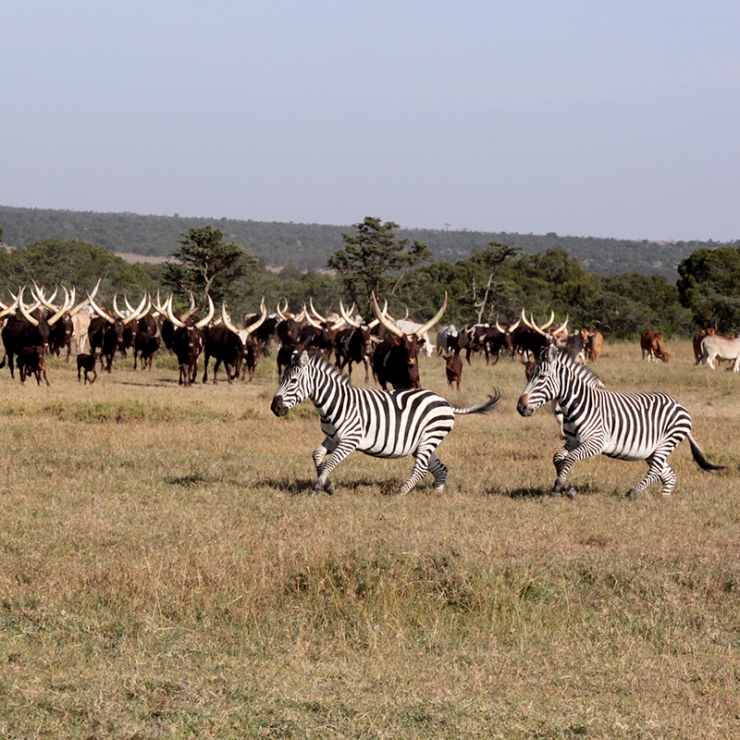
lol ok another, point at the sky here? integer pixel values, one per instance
(610, 118)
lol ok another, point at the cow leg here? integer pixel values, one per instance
(205, 370)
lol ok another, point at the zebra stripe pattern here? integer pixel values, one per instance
(378, 423)
(626, 426)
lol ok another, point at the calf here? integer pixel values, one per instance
(31, 360)
(454, 368)
(87, 363)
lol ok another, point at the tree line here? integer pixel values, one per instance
(309, 246)
(492, 283)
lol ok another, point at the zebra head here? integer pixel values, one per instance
(294, 387)
(543, 385)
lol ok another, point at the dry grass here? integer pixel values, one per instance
(164, 574)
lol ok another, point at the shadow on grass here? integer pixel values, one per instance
(586, 489)
(187, 480)
(302, 487)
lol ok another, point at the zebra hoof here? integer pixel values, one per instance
(316, 488)
(630, 495)
(572, 493)
(329, 487)
(555, 494)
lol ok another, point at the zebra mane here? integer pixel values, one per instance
(316, 359)
(579, 369)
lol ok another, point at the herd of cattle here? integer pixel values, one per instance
(388, 346)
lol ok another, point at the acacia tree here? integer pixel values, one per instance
(374, 260)
(205, 263)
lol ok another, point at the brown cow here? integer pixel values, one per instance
(454, 368)
(31, 361)
(87, 363)
(652, 346)
(593, 343)
(697, 342)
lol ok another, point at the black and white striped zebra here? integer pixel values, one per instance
(627, 426)
(378, 423)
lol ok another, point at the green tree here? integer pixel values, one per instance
(710, 287)
(205, 263)
(373, 260)
(51, 262)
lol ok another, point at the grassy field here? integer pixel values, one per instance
(164, 574)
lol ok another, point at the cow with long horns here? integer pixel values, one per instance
(396, 360)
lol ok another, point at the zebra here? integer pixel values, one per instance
(378, 423)
(626, 426)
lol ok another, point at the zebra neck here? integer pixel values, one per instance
(571, 393)
(324, 396)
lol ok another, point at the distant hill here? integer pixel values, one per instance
(308, 246)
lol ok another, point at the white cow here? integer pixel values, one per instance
(716, 347)
(410, 327)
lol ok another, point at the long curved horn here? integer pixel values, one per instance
(346, 316)
(226, 320)
(100, 311)
(158, 307)
(314, 311)
(7, 310)
(499, 327)
(405, 318)
(211, 310)
(68, 301)
(261, 320)
(524, 320)
(86, 302)
(168, 313)
(280, 312)
(535, 327)
(185, 315)
(552, 318)
(136, 312)
(38, 294)
(514, 326)
(115, 307)
(384, 319)
(564, 328)
(419, 332)
(313, 323)
(25, 310)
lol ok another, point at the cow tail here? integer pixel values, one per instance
(702, 461)
(2, 364)
(482, 408)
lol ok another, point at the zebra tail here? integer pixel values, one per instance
(702, 461)
(482, 408)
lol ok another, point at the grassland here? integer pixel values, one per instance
(164, 574)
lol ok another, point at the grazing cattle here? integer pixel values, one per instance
(30, 329)
(396, 361)
(188, 341)
(106, 332)
(447, 340)
(378, 423)
(227, 344)
(653, 347)
(593, 343)
(719, 348)
(31, 361)
(453, 370)
(86, 363)
(696, 341)
(352, 345)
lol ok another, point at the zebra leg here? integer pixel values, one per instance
(439, 470)
(340, 452)
(318, 458)
(658, 470)
(564, 462)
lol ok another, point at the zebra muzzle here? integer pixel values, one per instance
(523, 407)
(278, 407)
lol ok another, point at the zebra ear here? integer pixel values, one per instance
(304, 358)
(552, 353)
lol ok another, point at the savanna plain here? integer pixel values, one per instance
(165, 574)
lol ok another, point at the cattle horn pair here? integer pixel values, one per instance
(134, 313)
(398, 332)
(181, 323)
(27, 310)
(247, 330)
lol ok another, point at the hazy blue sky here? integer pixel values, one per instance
(587, 118)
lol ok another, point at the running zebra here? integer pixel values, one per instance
(378, 423)
(627, 426)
